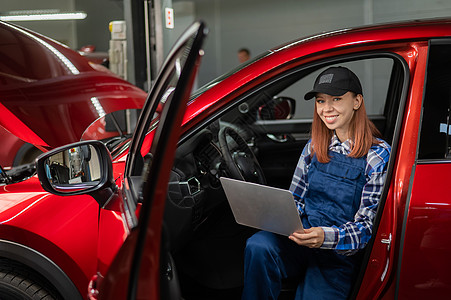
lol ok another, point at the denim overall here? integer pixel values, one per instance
(333, 198)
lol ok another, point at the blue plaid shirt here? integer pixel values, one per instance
(347, 238)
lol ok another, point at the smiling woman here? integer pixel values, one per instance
(337, 185)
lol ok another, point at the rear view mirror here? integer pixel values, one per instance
(279, 108)
(79, 168)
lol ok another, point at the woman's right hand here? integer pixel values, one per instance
(312, 237)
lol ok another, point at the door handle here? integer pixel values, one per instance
(387, 241)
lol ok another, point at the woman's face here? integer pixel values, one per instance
(337, 111)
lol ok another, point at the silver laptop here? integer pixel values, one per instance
(263, 207)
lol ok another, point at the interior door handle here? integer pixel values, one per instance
(282, 138)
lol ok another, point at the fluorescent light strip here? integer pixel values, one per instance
(43, 17)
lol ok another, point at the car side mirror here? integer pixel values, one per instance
(279, 108)
(78, 168)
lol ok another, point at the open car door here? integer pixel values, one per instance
(142, 268)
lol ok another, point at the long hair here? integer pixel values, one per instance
(362, 132)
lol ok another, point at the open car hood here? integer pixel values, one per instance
(49, 93)
(55, 112)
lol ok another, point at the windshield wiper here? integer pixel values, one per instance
(5, 177)
(113, 143)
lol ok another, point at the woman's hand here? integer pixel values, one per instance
(312, 237)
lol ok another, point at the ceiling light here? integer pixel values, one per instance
(41, 15)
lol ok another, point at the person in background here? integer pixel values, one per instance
(243, 55)
(337, 185)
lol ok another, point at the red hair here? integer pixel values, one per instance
(362, 132)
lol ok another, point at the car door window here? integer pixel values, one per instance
(140, 148)
(280, 140)
(373, 74)
(435, 124)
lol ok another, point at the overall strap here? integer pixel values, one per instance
(334, 190)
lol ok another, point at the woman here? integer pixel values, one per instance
(336, 185)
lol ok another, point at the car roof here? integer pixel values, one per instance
(401, 30)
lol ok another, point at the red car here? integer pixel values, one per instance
(155, 213)
(50, 94)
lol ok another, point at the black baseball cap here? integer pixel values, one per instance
(335, 81)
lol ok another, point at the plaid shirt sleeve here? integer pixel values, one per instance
(350, 237)
(299, 183)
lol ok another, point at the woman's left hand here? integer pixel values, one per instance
(312, 237)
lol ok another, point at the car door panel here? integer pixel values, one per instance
(425, 261)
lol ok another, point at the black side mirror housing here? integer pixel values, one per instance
(79, 168)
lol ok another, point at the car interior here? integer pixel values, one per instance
(258, 138)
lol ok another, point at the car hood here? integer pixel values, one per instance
(49, 94)
(56, 111)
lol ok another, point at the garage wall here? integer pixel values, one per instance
(94, 29)
(74, 33)
(263, 24)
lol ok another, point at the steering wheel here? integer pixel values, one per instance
(240, 161)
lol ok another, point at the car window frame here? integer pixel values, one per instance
(400, 67)
(126, 281)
